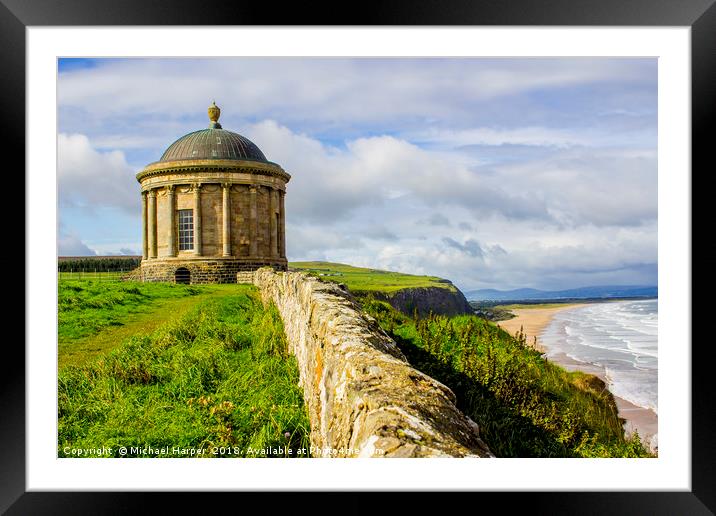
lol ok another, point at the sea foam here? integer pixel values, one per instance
(619, 337)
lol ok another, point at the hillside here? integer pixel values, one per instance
(525, 406)
(363, 279)
(597, 292)
(408, 293)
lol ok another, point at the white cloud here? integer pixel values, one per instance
(497, 253)
(72, 245)
(577, 215)
(436, 219)
(591, 186)
(540, 136)
(571, 187)
(535, 136)
(326, 92)
(310, 242)
(544, 169)
(514, 219)
(90, 179)
(330, 183)
(471, 247)
(118, 248)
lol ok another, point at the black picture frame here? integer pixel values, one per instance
(700, 15)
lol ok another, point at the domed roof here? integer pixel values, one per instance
(213, 143)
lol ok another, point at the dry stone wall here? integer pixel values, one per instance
(363, 398)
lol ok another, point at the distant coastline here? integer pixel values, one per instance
(548, 301)
(573, 294)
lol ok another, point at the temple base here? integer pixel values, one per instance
(200, 270)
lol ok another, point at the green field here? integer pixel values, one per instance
(202, 368)
(86, 307)
(525, 406)
(85, 275)
(95, 316)
(359, 279)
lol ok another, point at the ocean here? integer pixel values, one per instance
(619, 338)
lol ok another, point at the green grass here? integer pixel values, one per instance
(359, 279)
(95, 316)
(218, 379)
(85, 307)
(525, 406)
(91, 275)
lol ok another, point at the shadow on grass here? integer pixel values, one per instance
(506, 432)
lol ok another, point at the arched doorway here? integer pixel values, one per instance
(182, 275)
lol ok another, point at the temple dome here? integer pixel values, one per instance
(213, 143)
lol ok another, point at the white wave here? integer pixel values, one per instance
(617, 337)
(633, 387)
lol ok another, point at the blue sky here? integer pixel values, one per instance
(494, 173)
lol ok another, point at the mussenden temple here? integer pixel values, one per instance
(212, 207)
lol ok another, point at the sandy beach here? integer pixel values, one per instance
(534, 321)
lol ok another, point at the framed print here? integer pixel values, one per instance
(631, 63)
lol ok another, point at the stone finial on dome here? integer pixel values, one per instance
(214, 113)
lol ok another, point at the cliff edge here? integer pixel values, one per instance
(424, 300)
(408, 293)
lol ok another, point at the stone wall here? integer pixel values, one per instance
(363, 398)
(203, 270)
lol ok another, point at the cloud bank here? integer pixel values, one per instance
(498, 173)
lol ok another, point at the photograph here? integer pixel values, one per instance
(357, 257)
(429, 235)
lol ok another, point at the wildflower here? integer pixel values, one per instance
(287, 435)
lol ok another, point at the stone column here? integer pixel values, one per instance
(282, 224)
(171, 241)
(197, 219)
(152, 226)
(273, 223)
(226, 218)
(253, 221)
(145, 249)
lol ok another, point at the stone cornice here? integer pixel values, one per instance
(213, 165)
(191, 185)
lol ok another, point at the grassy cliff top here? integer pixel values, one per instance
(362, 279)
